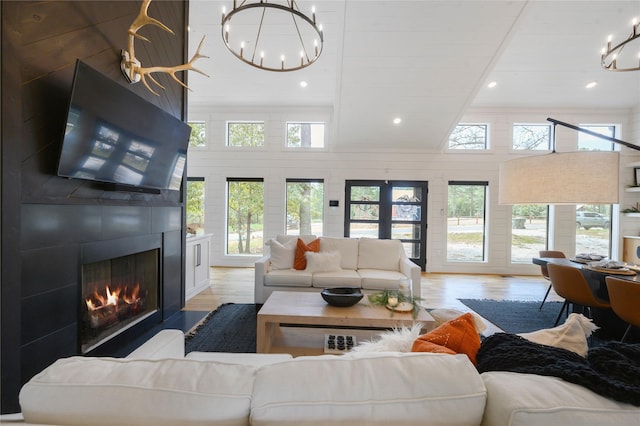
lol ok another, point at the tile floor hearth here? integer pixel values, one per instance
(235, 285)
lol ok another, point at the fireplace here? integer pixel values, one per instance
(120, 287)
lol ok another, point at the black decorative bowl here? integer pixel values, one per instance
(341, 296)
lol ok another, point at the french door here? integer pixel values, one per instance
(389, 210)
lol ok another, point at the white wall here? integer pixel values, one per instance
(275, 164)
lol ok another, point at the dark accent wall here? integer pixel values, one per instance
(45, 219)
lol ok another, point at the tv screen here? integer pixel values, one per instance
(113, 135)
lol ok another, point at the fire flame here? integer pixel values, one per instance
(97, 300)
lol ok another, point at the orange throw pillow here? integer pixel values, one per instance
(300, 262)
(459, 335)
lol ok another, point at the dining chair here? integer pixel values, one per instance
(545, 272)
(624, 296)
(569, 283)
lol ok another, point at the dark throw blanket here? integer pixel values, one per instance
(611, 370)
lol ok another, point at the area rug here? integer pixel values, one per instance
(516, 316)
(230, 328)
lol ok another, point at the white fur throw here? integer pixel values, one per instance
(323, 262)
(396, 340)
(571, 335)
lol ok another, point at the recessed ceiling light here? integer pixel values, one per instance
(492, 84)
(397, 120)
(303, 84)
(591, 84)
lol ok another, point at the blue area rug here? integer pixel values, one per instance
(514, 316)
(230, 328)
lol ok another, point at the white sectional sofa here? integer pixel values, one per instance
(370, 264)
(368, 388)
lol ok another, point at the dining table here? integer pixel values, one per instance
(606, 319)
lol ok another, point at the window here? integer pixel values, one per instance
(593, 143)
(532, 136)
(245, 212)
(305, 206)
(469, 136)
(466, 221)
(195, 205)
(245, 134)
(529, 231)
(305, 135)
(198, 133)
(593, 222)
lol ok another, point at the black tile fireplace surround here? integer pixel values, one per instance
(53, 241)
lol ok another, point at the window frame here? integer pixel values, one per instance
(549, 141)
(286, 201)
(485, 227)
(240, 147)
(310, 122)
(228, 181)
(487, 141)
(206, 132)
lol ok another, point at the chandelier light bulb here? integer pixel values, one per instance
(224, 11)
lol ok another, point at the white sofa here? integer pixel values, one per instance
(368, 388)
(370, 264)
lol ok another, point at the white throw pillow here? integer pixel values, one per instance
(323, 262)
(282, 255)
(572, 335)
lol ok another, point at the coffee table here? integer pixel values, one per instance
(296, 322)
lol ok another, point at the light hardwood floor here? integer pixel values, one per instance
(235, 285)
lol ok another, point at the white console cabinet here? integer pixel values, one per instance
(197, 264)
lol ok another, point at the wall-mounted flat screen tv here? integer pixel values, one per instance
(113, 135)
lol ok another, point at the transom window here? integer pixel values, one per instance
(469, 136)
(532, 137)
(198, 133)
(245, 134)
(305, 135)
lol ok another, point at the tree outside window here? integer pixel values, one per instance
(305, 207)
(245, 134)
(305, 135)
(198, 133)
(466, 221)
(469, 136)
(195, 205)
(532, 137)
(245, 215)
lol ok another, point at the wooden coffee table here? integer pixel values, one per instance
(296, 322)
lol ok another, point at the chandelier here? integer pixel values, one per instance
(272, 36)
(611, 55)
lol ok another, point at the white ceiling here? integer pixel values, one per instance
(428, 62)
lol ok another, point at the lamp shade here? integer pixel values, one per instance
(582, 177)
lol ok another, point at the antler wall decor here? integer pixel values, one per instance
(131, 67)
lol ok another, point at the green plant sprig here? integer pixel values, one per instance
(382, 299)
